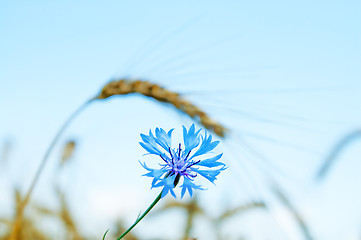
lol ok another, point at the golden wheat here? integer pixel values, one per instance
(67, 218)
(22, 228)
(126, 86)
(64, 215)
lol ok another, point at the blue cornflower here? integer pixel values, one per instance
(181, 163)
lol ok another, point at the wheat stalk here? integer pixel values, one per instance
(14, 235)
(336, 151)
(295, 213)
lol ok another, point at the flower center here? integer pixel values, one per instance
(179, 163)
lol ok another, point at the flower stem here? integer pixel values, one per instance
(143, 215)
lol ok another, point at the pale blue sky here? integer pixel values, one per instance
(283, 76)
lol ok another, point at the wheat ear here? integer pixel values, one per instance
(127, 86)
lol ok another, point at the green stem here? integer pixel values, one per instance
(143, 215)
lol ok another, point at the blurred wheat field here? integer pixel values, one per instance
(279, 90)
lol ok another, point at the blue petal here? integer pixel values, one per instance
(190, 138)
(170, 133)
(211, 162)
(156, 174)
(162, 138)
(211, 175)
(189, 185)
(206, 146)
(150, 144)
(150, 149)
(168, 185)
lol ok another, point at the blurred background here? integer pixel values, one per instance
(282, 77)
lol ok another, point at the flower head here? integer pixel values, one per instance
(183, 162)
